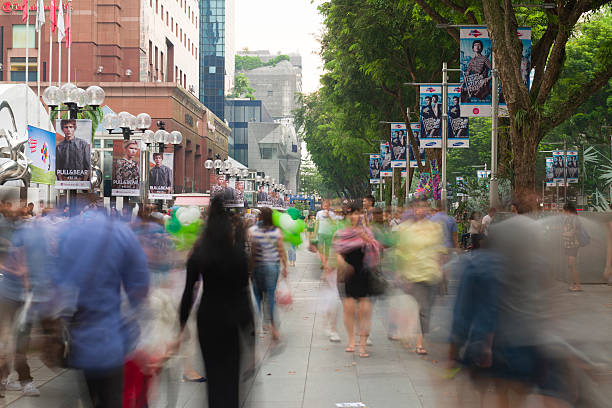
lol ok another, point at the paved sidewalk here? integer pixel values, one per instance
(308, 371)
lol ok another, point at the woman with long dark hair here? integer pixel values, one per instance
(225, 318)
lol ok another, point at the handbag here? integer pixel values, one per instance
(377, 284)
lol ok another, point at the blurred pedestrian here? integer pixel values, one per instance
(571, 244)
(357, 255)
(475, 229)
(418, 251)
(267, 255)
(225, 319)
(98, 260)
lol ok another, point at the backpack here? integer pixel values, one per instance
(583, 236)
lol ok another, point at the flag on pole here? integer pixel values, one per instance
(53, 17)
(61, 29)
(68, 39)
(26, 11)
(40, 14)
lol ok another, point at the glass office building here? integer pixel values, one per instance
(239, 112)
(212, 55)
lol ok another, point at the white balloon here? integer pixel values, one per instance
(286, 222)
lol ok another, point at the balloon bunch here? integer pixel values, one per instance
(429, 186)
(184, 226)
(291, 224)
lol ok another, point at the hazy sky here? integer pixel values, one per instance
(282, 25)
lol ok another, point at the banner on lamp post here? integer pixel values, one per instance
(73, 154)
(431, 115)
(549, 172)
(571, 166)
(398, 144)
(558, 168)
(41, 155)
(524, 34)
(385, 157)
(126, 168)
(416, 131)
(161, 176)
(375, 169)
(458, 126)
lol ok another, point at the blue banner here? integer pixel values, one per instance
(431, 115)
(41, 154)
(398, 144)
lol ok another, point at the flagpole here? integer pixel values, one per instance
(27, 108)
(59, 62)
(69, 35)
(38, 72)
(50, 50)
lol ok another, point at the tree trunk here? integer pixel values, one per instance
(525, 144)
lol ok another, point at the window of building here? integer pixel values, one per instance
(270, 93)
(18, 65)
(161, 62)
(212, 70)
(177, 29)
(19, 36)
(185, 81)
(151, 3)
(167, 20)
(162, 12)
(172, 24)
(156, 6)
(268, 151)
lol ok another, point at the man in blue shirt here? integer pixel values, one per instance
(449, 227)
(97, 257)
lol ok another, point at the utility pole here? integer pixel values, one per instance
(444, 132)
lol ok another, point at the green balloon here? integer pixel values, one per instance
(173, 225)
(276, 218)
(294, 213)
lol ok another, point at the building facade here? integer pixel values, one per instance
(238, 113)
(112, 41)
(216, 59)
(277, 86)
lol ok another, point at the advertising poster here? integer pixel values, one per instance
(416, 131)
(375, 169)
(431, 116)
(558, 168)
(221, 184)
(161, 176)
(524, 34)
(458, 126)
(572, 166)
(126, 168)
(398, 144)
(460, 186)
(549, 172)
(476, 63)
(73, 154)
(41, 154)
(238, 186)
(482, 174)
(385, 157)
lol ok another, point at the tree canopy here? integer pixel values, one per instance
(249, 62)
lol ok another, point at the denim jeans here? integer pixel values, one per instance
(265, 277)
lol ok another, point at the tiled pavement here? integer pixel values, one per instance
(307, 371)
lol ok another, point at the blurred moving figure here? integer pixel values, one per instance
(97, 258)
(418, 252)
(571, 244)
(358, 252)
(267, 253)
(225, 318)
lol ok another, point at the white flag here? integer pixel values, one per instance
(40, 14)
(61, 30)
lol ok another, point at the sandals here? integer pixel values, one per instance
(420, 350)
(350, 349)
(363, 354)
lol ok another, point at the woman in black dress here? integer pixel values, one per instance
(225, 316)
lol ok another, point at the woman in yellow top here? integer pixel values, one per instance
(418, 251)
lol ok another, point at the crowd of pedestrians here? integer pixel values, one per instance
(110, 295)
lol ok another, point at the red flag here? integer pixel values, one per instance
(53, 17)
(67, 28)
(26, 11)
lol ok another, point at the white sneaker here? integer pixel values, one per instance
(14, 386)
(30, 390)
(369, 342)
(334, 337)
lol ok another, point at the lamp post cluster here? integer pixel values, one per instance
(75, 99)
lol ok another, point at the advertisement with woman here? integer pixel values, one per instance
(126, 168)
(375, 169)
(73, 154)
(458, 126)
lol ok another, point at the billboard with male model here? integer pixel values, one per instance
(73, 154)
(398, 144)
(431, 116)
(161, 176)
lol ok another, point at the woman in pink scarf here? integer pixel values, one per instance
(357, 253)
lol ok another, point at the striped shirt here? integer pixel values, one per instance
(264, 241)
